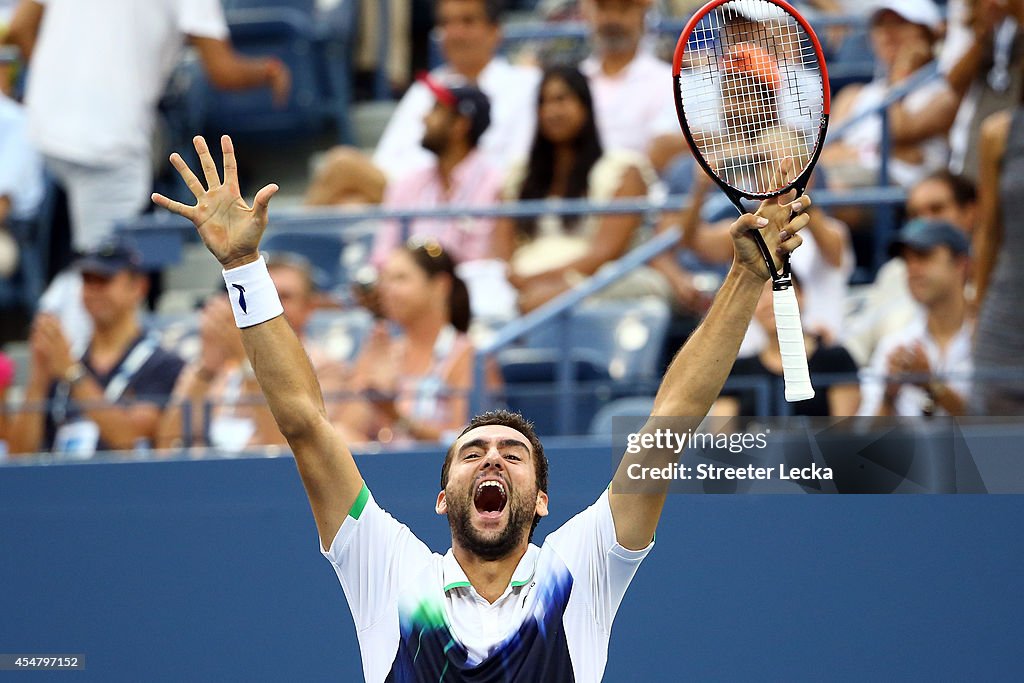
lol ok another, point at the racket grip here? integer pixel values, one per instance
(791, 345)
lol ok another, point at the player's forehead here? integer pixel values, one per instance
(493, 434)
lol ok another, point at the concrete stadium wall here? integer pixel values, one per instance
(209, 570)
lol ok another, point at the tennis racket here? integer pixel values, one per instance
(751, 91)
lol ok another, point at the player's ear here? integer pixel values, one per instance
(541, 507)
(441, 507)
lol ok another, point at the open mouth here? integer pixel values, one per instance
(490, 498)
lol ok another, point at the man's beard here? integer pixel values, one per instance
(435, 144)
(520, 516)
(613, 40)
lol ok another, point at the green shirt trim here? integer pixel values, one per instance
(360, 503)
(457, 584)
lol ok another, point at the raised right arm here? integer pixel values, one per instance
(24, 28)
(325, 463)
(231, 231)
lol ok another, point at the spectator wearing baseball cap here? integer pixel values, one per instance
(903, 35)
(460, 175)
(469, 35)
(924, 369)
(110, 397)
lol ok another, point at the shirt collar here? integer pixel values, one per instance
(591, 66)
(454, 577)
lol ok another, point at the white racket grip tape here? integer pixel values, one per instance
(791, 344)
(252, 293)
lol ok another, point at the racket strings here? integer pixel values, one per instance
(753, 94)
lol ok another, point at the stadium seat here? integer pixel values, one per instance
(630, 406)
(531, 387)
(315, 48)
(323, 251)
(288, 34)
(626, 336)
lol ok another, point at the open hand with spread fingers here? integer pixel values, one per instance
(230, 229)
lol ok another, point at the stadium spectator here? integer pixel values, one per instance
(924, 368)
(822, 359)
(222, 376)
(983, 60)
(218, 376)
(111, 397)
(550, 254)
(823, 264)
(634, 106)
(21, 179)
(458, 175)
(999, 264)
(414, 382)
(888, 305)
(903, 35)
(97, 70)
(470, 33)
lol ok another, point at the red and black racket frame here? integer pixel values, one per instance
(779, 280)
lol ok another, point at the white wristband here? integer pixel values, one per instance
(252, 294)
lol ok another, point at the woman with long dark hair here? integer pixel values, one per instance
(550, 254)
(414, 383)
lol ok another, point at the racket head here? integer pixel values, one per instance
(751, 88)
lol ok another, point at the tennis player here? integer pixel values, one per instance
(495, 607)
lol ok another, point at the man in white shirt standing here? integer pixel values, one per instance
(631, 87)
(470, 33)
(924, 368)
(495, 607)
(97, 70)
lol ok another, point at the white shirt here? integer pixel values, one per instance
(512, 91)
(417, 615)
(955, 363)
(99, 68)
(824, 286)
(634, 106)
(866, 136)
(21, 167)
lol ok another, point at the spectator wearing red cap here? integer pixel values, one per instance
(470, 33)
(459, 174)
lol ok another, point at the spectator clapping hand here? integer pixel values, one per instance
(51, 351)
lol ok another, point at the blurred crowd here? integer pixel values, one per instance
(932, 332)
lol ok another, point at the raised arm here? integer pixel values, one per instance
(989, 235)
(24, 28)
(231, 231)
(697, 373)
